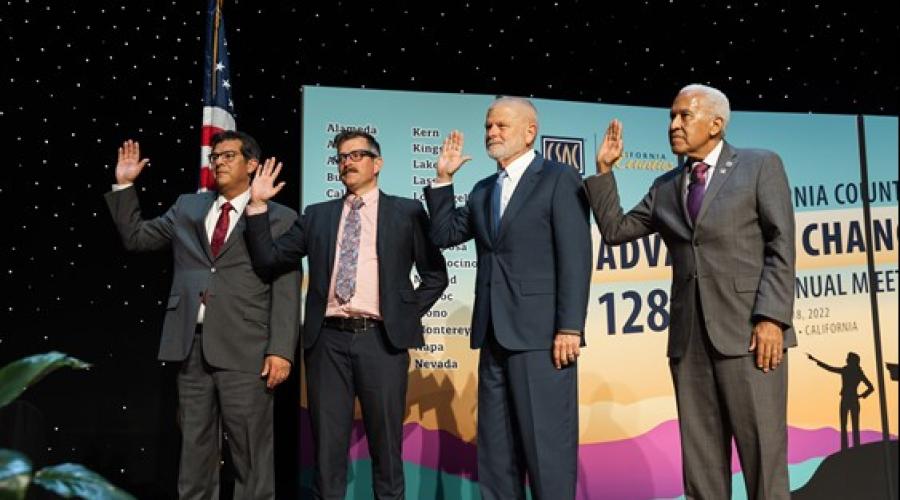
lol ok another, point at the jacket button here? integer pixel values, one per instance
(212, 270)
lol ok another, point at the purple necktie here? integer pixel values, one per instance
(696, 189)
(345, 282)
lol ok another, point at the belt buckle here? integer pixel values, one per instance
(359, 325)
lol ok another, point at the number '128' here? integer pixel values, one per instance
(657, 314)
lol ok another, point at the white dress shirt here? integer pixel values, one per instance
(514, 172)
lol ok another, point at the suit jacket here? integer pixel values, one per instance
(739, 256)
(401, 241)
(246, 318)
(533, 278)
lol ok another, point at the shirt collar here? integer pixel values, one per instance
(712, 159)
(370, 198)
(239, 202)
(515, 169)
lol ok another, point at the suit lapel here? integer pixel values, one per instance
(386, 236)
(489, 208)
(526, 185)
(726, 164)
(199, 221)
(383, 225)
(680, 183)
(236, 234)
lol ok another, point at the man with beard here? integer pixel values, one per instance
(530, 224)
(362, 312)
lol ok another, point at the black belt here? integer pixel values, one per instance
(356, 325)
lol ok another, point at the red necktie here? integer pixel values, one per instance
(221, 231)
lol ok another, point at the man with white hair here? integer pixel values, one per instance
(726, 217)
(531, 227)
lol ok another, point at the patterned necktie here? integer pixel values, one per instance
(221, 230)
(345, 283)
(496, 201)
(696, 189)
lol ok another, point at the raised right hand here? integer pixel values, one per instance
(451, 158)
(263, 187)
(611, 148)
(129, 165)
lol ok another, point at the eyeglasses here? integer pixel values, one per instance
(355, 155)
(227, 156)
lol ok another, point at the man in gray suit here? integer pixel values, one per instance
(234, 334)
(726, 217)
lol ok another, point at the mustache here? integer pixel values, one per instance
(348, 170)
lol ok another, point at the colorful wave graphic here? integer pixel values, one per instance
(646, 466)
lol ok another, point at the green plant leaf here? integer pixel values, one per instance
(74, 480)
(19, 375)
(15, 474)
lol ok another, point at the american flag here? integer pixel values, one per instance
(218, 108)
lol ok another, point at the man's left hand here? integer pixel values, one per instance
(610, 149)
(767, 340)
(276, 369)
(566, 349)
(263, 187)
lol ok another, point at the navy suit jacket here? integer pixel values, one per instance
(401, 241)
(533, 278)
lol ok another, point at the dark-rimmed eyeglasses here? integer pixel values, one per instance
(355, 155)
(226, 156)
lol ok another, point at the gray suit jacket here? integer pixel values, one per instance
(246, 318)
(738, 258)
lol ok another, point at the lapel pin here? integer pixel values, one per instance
(728, 163)
(721, 170)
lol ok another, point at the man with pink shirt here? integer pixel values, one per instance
(362, 311)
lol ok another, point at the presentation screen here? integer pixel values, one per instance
(629, 442)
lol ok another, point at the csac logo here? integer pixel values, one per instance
(568, 150)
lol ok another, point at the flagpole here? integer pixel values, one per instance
(215, 48)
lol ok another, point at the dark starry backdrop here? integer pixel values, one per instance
(80, 77)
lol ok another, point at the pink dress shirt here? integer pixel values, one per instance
(365, 301)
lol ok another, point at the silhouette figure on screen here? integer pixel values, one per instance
(851, 376)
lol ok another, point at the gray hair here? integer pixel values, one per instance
(516, 101)
(716, 100)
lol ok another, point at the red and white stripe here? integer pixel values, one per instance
(215, 120)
